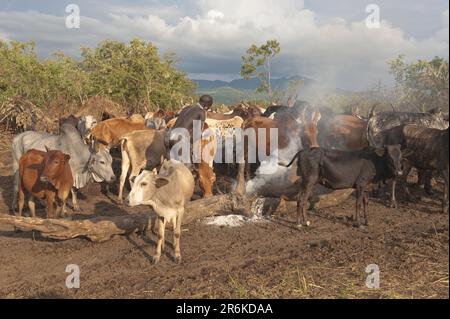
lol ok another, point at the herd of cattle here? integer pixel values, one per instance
(336, 150)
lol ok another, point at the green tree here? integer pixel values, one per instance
(131, 73)
(423, 84)
(23, 74)
(134, 74)
(257, 63)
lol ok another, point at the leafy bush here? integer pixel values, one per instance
(132, 75)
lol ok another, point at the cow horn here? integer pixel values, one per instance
(372, 109)
(303, 114)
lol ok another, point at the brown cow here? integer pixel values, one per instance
(45, 175)
(286, 124)
(204, 170)
(108, 133)
(140, 149)
(289, 129)
(347, 132)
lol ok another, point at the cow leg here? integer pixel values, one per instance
(177, 235)
(240, 183)
(359, 204)
(380, 190)
(393, 198)
(161, 229)
(427, 177)
(424, 179)
(154, 226)
(404, 180)
(15, 189)
(123, 176)
(21, 200)
(75, 200)
(60, 207)
(366, 206)
(445, 204)
(50, 209)
(302, 201)
(134, 172)
(32, 206)
(63, 211)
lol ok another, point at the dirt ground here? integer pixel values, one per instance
(268, 259)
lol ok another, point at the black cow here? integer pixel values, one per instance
(423, 148)
(336, 169)
(379, 123)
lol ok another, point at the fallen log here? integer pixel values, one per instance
(103, 228)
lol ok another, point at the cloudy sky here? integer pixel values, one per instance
(324, 39)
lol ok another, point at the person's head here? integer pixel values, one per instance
(206, 101)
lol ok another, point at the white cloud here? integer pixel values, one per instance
(211, 40)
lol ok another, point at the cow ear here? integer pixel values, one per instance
(380, 151)
(154, 171)
(161, 181)
(316, 116)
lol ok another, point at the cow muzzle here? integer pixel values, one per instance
(44, 179)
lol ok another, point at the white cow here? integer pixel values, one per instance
(167, 193)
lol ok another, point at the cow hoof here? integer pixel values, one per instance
(429, 191)
(356, 225)
(77, 209)
(307, 223)
(177, 259)
(393, 205)
(155, 259)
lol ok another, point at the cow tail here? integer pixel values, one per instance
(123, 147)
(123, 143)
(17, 152)
(292, 160)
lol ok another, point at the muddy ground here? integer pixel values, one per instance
(265, 259)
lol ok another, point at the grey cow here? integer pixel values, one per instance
(83, 162)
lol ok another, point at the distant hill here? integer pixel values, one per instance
(237, 90)
(250, 84)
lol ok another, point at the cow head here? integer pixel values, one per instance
(242, 112)
(393, 156)
(100, 166)
(144, 188)
(156, 123)
(85, 124)
(206, 179)
(310, 130)
(54, 164)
